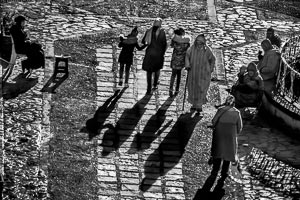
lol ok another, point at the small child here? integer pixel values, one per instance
(126, 56)
(180, 44)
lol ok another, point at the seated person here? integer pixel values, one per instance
(33, 50)
(250, 90)
(269, 66)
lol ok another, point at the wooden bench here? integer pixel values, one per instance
(12, 62)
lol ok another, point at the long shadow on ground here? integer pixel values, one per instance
(53, 83)
(95, 124)
(124, 127)
(154, 128)
(170, 151)
(21, 85)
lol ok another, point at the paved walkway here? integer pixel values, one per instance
(148, 140)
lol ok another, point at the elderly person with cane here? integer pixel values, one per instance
(227, 124)
(155, 39)
(200, 63)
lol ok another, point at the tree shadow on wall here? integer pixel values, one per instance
(170, 151)
(21, 85)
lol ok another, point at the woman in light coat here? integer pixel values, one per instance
(228, 124)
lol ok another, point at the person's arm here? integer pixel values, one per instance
(239, 123)
(187, 59)
(138, 47)
(211, 59)
(216, 117)
(164, 41)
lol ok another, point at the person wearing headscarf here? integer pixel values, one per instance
(155, 39)
(23, 45)
(250, 90)
(180, 43)
(274, 38)
(227, 123)
(269, 65)
(128, 44)
(200, 63)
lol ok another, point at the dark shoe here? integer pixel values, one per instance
(176, 92)
(193, 109)
(170, 93)
(120, 83)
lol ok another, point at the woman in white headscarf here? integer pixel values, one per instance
(155, 38)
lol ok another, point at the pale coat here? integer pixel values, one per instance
(201, 63)
(224, 143)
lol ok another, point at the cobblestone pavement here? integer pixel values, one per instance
(147, 148)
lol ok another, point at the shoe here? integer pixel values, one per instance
(120, 83)
(193, 109)
(176, 92)
(126, 85)
(199, 110)
(170, 93)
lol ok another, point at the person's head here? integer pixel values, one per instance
(252, 69)
(243, 69)
(157, 22)
(266, 45)
(270, 32)
(134, 31)
(179, 31)
(20, 21)
(230, 101)
(200, 40)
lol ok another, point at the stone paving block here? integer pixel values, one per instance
(105, 179)
(126, 194)
(175, 184)
(128, 162)
(102, 197)
(106, 167)
(126, 180)
(130, 187)
(128, 168)
(129, 156)
(175, 196)
(174, 190)
(173, 165)
(152, 195)
(126, 174)
(172, 153)
(106, 173)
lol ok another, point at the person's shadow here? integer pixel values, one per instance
(125, 126)
(20, 86)
(96, 124)
(153, 127)
(170, 151)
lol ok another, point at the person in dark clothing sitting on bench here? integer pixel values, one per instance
(23, 45)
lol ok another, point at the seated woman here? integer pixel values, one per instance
(269, 66)
(248, 92)
(23, 45)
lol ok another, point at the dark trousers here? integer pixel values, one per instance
(127, 70)
(214, 173)
(149, 79)
(175, 73)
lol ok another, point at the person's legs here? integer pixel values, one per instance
(224, 175)
(149, 82)
(127, 71)
(178, 74)
(173, 75)
(121, 73)
(156, 77)
(213, 176)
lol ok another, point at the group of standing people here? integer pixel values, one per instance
(197, 59)
(259, 77)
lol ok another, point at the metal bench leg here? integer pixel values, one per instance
(7, 73)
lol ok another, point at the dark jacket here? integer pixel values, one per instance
(20, 39)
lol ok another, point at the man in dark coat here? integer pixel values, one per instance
(153, 62)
